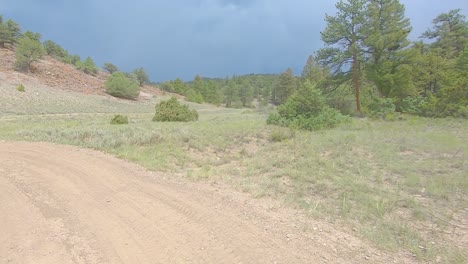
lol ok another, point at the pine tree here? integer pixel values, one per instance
(231, 93)
(28, 51)
(386, 43)
(246, 93)
(344, 37)
(141, 75)
(10, 32)
(285, 87)
(450, 33)
(179, 86)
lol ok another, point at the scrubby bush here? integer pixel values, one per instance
(55, 50)
(379, 107)
(21, 88)
(119, 120)
(88, 66)
(306, 109)
(119, 85)
(110, 68)
(412, 105)
(75, 60)
(172, 111)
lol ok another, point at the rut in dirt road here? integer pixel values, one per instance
(62, 204)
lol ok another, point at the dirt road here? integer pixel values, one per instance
(62, 204)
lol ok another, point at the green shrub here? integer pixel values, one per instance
(379, 107)
(73, 59)
(55, 50)
(412, 105)
(452, 100)
(306, 109)
(172, 111)
(88, 66)
(119, 85)
(119, 120)
(21, 88)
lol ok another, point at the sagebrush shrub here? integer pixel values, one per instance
(21, 88)
(119, 85)
(119, 120)
(172, 111)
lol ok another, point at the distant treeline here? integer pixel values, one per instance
(368, 66)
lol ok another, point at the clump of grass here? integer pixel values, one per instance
(281, 134)
(119, 120)
(21, 88)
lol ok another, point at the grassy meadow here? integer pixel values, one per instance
(401, 184)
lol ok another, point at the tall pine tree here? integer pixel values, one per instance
(344, 39)
(386, 42)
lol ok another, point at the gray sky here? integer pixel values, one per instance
(176, 38)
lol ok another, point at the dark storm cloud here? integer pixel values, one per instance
(183, 38)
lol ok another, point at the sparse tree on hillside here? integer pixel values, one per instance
(141, 76)
(9, 32)
(167, 86)
(28, 51)
(344, 37)
(110, 68)
(89, 67)
(33, 35)
(55, 50)
(75, 60)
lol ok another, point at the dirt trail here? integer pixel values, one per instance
(62, 204)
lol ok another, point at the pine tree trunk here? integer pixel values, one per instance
(356, 81)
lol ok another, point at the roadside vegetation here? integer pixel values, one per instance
(400, 184)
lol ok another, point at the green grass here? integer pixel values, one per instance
(402, 184)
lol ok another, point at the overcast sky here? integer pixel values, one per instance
(176, 38)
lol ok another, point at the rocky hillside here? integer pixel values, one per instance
(56, 74)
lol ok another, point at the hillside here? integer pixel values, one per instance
(56, 74)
